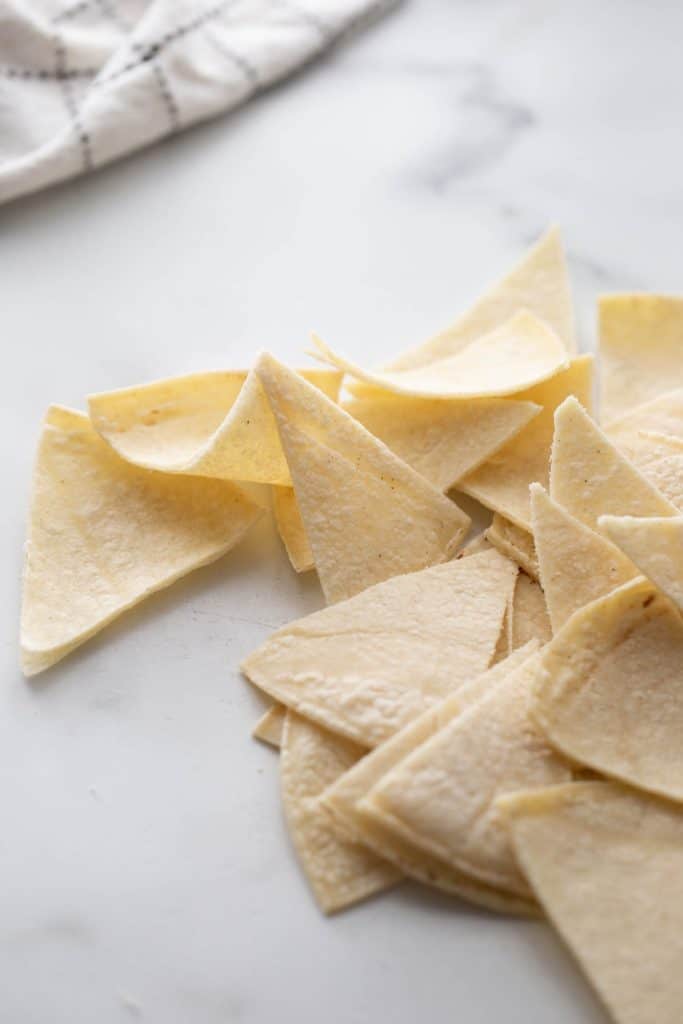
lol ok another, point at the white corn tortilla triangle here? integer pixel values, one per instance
(513, 541)
(291, 528)
(368, 666)
(651, 436)
(502, 483)
(655, 545)
(529, 618)
(340, 872)
(610, 691)
(269, 727)
(441, 797)
(367, 515)
(514, 357)
(607, 863)
(206, 424)
(590, 477)
(577, 565)
(441, 439)
(539, 282)
(104, 534)
(641, 344)
(343, 797)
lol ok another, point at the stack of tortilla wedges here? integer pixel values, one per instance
(500, 719)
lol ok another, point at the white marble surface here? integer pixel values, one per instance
(146, 874)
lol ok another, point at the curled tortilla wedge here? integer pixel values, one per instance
(367, 515)
(641, 341)
(441, 797)
(443, 440)
(368, 666)
(514, 357)
(577, 564)
(514, 542)
(655, 545)
(206, 424)
(606, 863)
(610, 691)
(502, 483)
(340, 872)
(344, 796)
(539, 282)
(104, 534)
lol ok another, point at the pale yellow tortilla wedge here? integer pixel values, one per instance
(610, 691)
(206, 424)
(343, 797)
(367, 515)
(514, 357)
(607, 865)
(504, 646)
(502, 483)
(529, 619)
(443, 440)
(590, 477)
(516, 543)
(539, 282)
(291, 528)
(368, 666)
(651, 436)
(269, 727)
(441, 797)
(577, 564)
(104, 534)
(340, 872)
(655, 545)
(641, 350)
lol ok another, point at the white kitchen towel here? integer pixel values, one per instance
(83, 82)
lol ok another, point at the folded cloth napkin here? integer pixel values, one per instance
(83, 82)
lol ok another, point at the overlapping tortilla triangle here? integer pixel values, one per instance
(610, 691)
(651, 436)
(443, 440)
(655, 545)
(590, 477)
(539, 282)
(577, 565)
(513, 541)
(368, 666)
(514, 357)
(207, 424)
(367, 515)
(641, 349)
(269, 727)
(441, 797)
(502, 483)
(529, 614)
(104, 534)
(340, 872)
(607, 866)
(344, 796)
(291, 528)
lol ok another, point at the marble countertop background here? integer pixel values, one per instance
(146, 874)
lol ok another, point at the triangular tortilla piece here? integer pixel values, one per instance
(655, 545)
(104, 534)
(539, 282)
(367, 515)
(610, 691)
(590, 477)
(641, 349)
(516, 543)
(651, 436)
(607, 865)
(291, 528)
(340, 872)
(442, 796)
(529, 618)
(368, 666)
(443, 440)
(269, 727)
(514, 357)
(577, 564)
(502, 483)
(504, 646)
(206, 424)
(343, 797)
